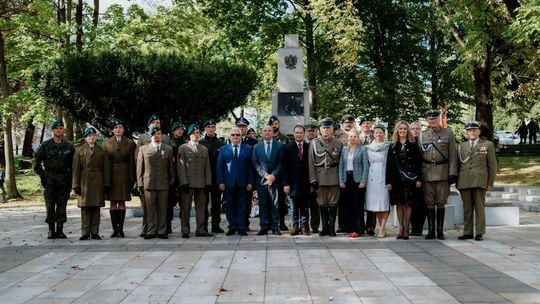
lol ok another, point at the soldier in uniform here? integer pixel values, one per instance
(155, 175)
(477, 171)
(120, 152)
(195, 178)
(439, 170)
(274, 122)
(324, 155)
(91, 180)
(314, 211)
(53, 165)
(177, 139)
(366, 137)
(213, 144)
(347, 123)
(145, 139)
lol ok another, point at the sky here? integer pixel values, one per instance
(145, 4)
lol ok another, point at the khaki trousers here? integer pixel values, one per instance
(436, 193)
(90, 218)
(156, 211)
(199, 196)
(474, 200)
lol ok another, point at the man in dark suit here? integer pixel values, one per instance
(296, 180)
(235, 177)
(155, 174)
(243, 124)
(267, 163)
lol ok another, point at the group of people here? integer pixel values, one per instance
(529, 130)
(350, 178)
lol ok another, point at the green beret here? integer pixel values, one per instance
(57, 123)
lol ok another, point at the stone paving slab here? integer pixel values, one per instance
(505, 268)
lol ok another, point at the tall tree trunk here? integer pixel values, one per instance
(435, 96)
(68, 123)
(95, 15)
(78, 24)
(28, 139)
(310, 58)
(512, 6)
(483, 95)
(11, 184)
(68, 21)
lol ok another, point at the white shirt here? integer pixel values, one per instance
(350, 158)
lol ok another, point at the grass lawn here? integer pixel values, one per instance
(523, 170)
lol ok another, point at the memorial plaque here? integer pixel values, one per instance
(290, 104)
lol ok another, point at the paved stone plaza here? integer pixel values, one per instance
(504, 268)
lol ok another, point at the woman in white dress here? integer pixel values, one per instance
(377, 196)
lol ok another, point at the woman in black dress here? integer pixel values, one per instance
(403, 174)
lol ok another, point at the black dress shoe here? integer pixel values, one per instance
(51, 235)
(247, 229)
(114, 234)
(185, 235)
(205, 234)
(262, 232)
(84, 237)
(121, 233)
(95, 237)
(405, 237)
(399, 237)
(465, 237)
(149, 236)
(478, 237)
(315, 231)
(276, 232)
(370, 232)
(217, 230)
(163, 236)
(230, 232)
(143, 234)
(242, 232)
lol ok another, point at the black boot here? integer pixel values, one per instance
(332, 220)
(282, 225)
(121, 218)
(114, 222)
(431, 224)
(52, 234)
(60, 231)
(324, 222)
(440, 223)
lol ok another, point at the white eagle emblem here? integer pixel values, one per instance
(290, 62)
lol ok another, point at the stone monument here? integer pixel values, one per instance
(291, 101)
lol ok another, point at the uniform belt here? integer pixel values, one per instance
(327, 166)
(435, 163)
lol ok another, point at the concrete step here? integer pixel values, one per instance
(499, 211)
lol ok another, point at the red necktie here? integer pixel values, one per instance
(300, 151)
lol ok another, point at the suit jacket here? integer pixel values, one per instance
(122, 168)
(193, 167)
(155, 170)
(264, 165)
(232, 171)
(360, 165)
(477, 166)
(91, 174)
(296, 171)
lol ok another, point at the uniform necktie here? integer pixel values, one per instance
(300, 151)
(267, 149)
(236, 151)
(195, 147)
(366, 140)
(157, 149)
(472, 143)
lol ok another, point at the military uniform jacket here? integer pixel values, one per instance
(145, 138)
(122, 168)
(439, 154)
(91, 173)
(324, 161)
(213, 144)
(477, 166)
(155, 169)
(281, 138)
(53, 162)
(193, 166)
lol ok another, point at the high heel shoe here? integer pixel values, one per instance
(381, 234)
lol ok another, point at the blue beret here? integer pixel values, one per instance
(117, 122)
(191, 128)
(242, 122)
(152, 118)
(472, 125)
(176, 125)
(209, 122)
(272, 119)
(154, 130)
(326, 122)
(433, 113)
(57, 123)
(89, 131)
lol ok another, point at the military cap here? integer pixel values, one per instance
(272, 119)
(347, 118)
(433, 113)
(380, 126)
(117, 122)
(251, 130)
(152, 118)
(192, 128)
(310, 127)
(209, 122)
(326, 122)
(176, 125)
(364, 119)
(57, 123)
(154, 130)
(242, 122)
(89, 131)
(472, 125)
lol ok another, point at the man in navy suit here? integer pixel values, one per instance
(235, 177)
(267, 163)
(296, 180)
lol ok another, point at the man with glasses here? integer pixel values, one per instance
(439, 170)
(234, 176)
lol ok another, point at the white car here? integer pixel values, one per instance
(507, 137)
